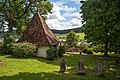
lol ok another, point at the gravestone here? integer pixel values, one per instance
(80, 68)
(100, 69)
(80, 52)
(63, 65)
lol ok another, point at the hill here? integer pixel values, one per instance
(77, 30)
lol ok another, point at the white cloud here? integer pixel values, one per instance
(76, 15)
(55, 18)
(73, 15)
(53, 24)
(75, 22)
(60, 3)
(76, 19)
(66, 15)
(56, 13)
(70, 9)
(63, 7)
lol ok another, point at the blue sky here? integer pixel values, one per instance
(65, 14)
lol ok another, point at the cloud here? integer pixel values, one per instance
(55, 18)
(62, 6)
(73, 15)
(76, 19)
(70, 9)
(75, 22)
(53, 23)
(60, 3)
(76, 15)
(56, 13)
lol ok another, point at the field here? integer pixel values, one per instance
(63, 36)
(42, 69)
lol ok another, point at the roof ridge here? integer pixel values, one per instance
(40, 17)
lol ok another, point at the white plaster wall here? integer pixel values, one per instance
(42, 52)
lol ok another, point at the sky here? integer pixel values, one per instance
(65, 14)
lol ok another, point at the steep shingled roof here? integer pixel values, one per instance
(38, 33)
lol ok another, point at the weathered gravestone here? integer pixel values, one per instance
(80, 68)
(80, 52)
(100, 69)
(63, 65)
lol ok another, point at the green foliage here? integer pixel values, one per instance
(101, 18)
(18, 12)
(88, 50)
(8, 39)
(72, 38)
(24, 50)
(98, 48)
(1, 43)
(52, 53)
(61, 51)
(55, 52)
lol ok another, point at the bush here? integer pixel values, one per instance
(88, 50)
(52, 53)
(7, 48)
(24, 50)
(72, 38)
(98, 48)
(61, 51)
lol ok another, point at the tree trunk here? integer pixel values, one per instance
(106, 49)
(10, 25)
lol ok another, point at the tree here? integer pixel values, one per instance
(72, 38)
(16, 13)
(101, 21)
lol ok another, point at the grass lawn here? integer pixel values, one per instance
(63, 36)
(42, 69)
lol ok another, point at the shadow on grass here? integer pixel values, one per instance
(2, 54)
(49, 76)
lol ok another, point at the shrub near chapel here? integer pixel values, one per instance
(55, 52)
(61, 51)
(52, 53)
(24, 50)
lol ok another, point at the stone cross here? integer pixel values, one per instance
(81, 67)
(100, 69)
(63, 65)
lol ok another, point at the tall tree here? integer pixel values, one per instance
(101, 20)
(16, 13)
(72, 38)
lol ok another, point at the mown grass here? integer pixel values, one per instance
(42, 69)
(63, 36)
